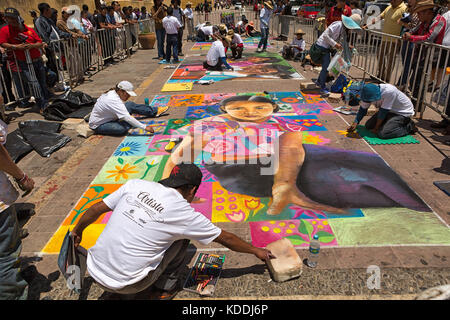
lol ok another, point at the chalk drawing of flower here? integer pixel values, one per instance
(127, 148)
(252, 204)
(121, 172)
(236, 216)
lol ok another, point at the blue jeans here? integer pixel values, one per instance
(12, 285)
(326, 58)
(120, 127)
(39, 70)
(406, 53)
(264, 37)
(160, 35)
(172, 44)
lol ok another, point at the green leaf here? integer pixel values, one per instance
(139, 160)
(98, 189)
(306, 228)
(296, 240)
(325, 237)
(105, 195)
(120, 160)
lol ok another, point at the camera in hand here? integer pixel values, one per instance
(406, 17)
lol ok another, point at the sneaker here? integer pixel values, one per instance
(258, 50)
(161, 111)
(175, 61)
(324, 92)
(160, 58)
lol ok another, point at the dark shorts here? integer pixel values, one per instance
(334, 177)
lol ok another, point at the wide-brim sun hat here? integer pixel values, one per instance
(251, 23)
(423, 5)
(370, 92)
(299, 31)
(268, 4)
(231, 32)
(353, 22)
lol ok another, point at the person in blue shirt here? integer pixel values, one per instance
(264, 17)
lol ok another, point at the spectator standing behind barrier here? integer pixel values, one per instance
(431, 29)
(389, 46)
(12, 285)
(354, 5)
(285, 21)
(106, 44)
(158, 13)
(264, 16)
(189, 18)
(321, 21)
(171, 25)
(111, 114)
(409, 21)
(131, 21)
(23, 41)
(444, 123)
(89, 16)
(144, 14)
(336, 12)
(179, 14)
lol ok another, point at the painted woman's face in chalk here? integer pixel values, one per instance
(249, 110)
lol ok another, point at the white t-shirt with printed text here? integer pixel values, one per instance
(147, 218)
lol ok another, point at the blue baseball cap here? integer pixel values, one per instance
(370, 93)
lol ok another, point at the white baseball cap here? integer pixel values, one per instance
(128, 87)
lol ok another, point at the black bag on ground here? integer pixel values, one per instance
(43, 136)
(17, 146)
(70, 104)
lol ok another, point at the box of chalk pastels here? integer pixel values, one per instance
(204, 274)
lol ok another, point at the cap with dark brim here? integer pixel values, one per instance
(183, 174)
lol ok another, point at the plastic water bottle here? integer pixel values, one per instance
(146, 101)
(314, 249)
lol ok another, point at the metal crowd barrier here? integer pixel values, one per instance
(72, 59)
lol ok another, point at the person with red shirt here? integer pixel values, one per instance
(22, 40)
(337, 11)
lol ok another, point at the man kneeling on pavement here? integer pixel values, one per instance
(145, 240)
(393, 119)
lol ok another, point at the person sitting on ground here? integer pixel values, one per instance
(111, 114)
(145, 241)
(250, 30)
(236, 44)
(205, 31)
(216, 56)
(240, 25)
(296, 49)
(393, 119)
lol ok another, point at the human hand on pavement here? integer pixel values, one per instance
(263, 254)
(149, 129)
(338, 46)
(352, 128)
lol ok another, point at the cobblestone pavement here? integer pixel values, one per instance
(62, 178)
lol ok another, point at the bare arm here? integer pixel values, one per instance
(235, 243)
(7, 165)
(90, 216)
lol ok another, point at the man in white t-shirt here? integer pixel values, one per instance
(179, 14)
(111, 114)
(12, 285)
(206, 31)
(216, 56)
(144, 242)
(172, 26)
(393, 119)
